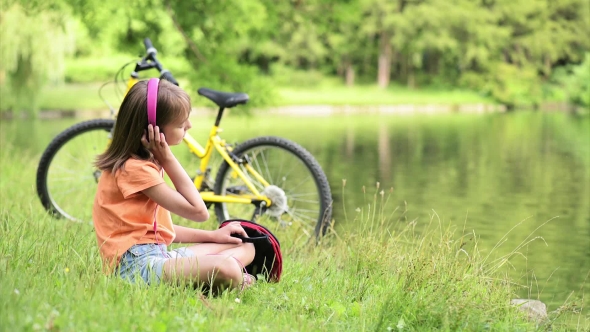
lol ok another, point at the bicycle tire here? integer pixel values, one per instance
(311, 168)
(44, 179)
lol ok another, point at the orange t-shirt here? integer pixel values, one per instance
(123, 216)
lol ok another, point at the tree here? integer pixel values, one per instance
(36, 39)
(377, 23)
(575, 81)
(541, 34)
(344, 39)
(223, 32)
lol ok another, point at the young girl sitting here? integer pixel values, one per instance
(132, 206)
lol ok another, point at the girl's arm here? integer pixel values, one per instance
(191, 235)
(222, 235)
(185, 201)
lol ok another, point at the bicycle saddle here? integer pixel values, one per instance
(224, 99)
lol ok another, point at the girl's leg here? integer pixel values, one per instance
(243, 252)
(215, 270)
(213, 263)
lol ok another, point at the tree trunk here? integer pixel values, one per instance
(384, 69)
(547, 66)
(411, 79)
(349, 74)
(433, 64)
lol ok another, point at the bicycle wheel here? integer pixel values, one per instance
(299, 190)
(66, 178)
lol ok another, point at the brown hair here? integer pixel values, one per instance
(173, 104)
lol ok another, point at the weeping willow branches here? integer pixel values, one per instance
(34, 46)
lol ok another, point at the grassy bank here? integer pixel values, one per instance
(360, 278)
(84, 96)
(338, 94)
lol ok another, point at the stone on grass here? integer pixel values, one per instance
(535, 310)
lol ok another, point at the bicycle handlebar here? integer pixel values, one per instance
(166, 75)
(149, 48)
(151, 55)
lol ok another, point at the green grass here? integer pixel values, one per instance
(84, 96)
(338, 94)
(361, 278)
(79, 97)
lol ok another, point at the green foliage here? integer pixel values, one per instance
(575, 81)
(111, 27)
(508, 84)
(34, 46)
(220, 74)
(505, 49)
(218, 40)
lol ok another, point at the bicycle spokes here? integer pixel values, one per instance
(296, 200)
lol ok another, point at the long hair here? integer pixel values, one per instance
(173, 104)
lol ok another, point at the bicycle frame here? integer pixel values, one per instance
(215, 142)
(275, 177)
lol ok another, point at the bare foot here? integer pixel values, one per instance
(249, 280)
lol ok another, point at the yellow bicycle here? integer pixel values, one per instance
(267, 179)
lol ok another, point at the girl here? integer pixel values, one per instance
(132, 206)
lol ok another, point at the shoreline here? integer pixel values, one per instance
(315, 110)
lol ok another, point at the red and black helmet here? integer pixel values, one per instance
(268, 260)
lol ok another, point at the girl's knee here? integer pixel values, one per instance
(229, 270)
(246, 253)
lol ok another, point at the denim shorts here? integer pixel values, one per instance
(145, 262)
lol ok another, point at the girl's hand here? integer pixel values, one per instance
(223, 235)
(155, 141)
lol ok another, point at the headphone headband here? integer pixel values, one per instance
(152, 100)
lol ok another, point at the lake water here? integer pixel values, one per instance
(485, 173)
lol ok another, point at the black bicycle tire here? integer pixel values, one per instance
(54, 146)
(301, 153)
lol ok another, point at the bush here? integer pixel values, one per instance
(574, 80)
(508, 84)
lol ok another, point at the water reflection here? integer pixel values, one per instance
(384, 152)
(488, 173)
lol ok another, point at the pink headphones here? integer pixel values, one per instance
(152, 100)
